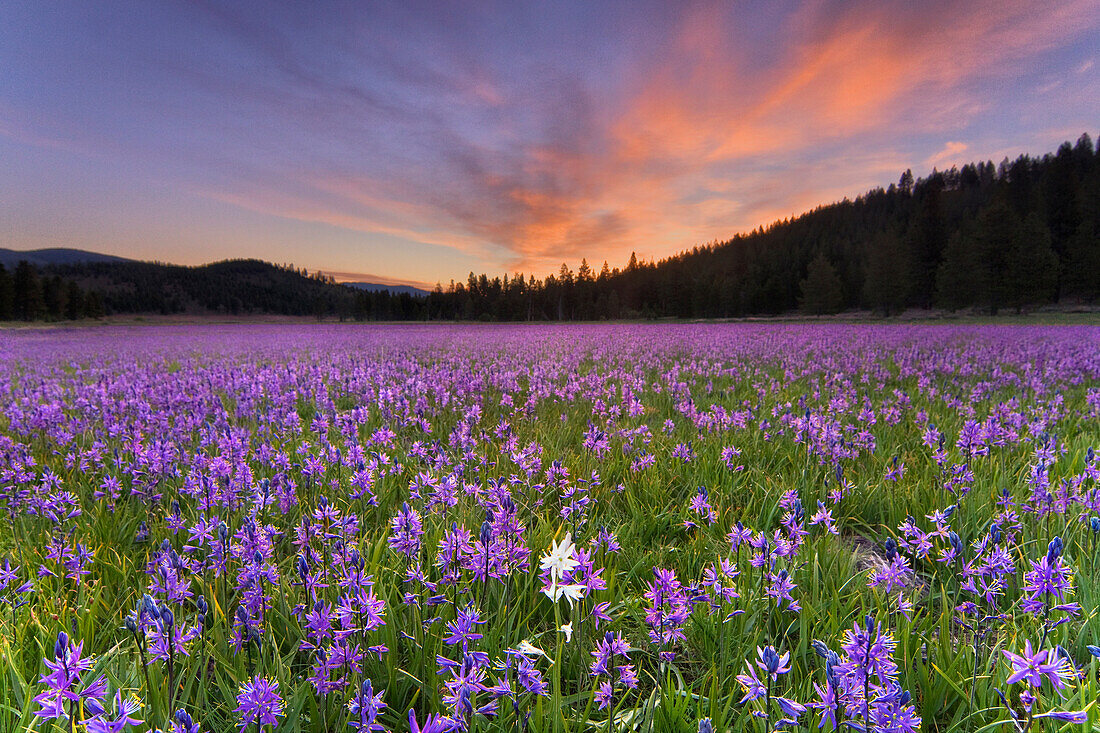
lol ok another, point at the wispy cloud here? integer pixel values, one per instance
(522, 137)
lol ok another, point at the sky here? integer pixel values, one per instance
(415, 142)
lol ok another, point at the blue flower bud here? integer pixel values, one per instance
(60, 645)
(184, 719)
(1054, 549)
(771, 660)
(706, 726)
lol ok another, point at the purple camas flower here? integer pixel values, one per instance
(465, 682)
(771, 664)
(780, 586)
(612, 668)
(463, 629)
(364, 707)
(125, 708)
(668, 611)
(407, 530)
(183, 723)
(1035, 666)
(862, 684)
(10, 593)
(1049, 578)
(65, 686)
(258, 701)
(432, 724)
(701, 508)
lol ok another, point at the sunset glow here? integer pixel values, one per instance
(417, 142)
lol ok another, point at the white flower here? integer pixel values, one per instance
(571, 591)
(528, 649)
(567, 629)
(559, 560)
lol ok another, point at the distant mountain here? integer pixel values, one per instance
(54, 256)
(227, 287)
(395, 289)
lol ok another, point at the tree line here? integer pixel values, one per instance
(26, 295)
(1019, 234)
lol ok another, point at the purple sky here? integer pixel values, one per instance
(415, 142)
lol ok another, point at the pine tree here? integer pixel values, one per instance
(7, 295)
(821, 290)
(27, 292)
(927, 239)
(994, 240)
(958, 275)
(1031, 267)
(884, 284)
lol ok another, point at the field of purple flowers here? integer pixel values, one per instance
(538, 528)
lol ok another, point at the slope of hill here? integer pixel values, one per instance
(79, 289)
(9, 258)
(379, 287)
(229, 286)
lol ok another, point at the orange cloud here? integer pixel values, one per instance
(952, 154)
(704, 138)
(863, 69)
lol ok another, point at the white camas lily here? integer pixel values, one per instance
(572, 592)
(559, 560)
(527, 649)
(567, 629)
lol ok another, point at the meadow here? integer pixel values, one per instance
(687, 528)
